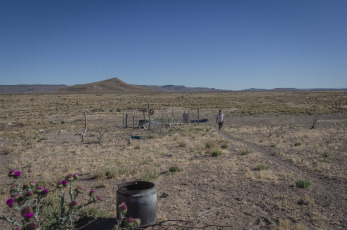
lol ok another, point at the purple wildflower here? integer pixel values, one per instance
(95, 198)
(11, 173)
(29, 215)
(10, 202)
(32, 184)
(13, 188)
(91, 193)
(28, 194)
(60, 184)
(123, 208)
(18, 198)
(45, 192)
(64, 182)
(27, 210)
(76, 176)
(38, 190)
(16, 174)
(70, 177)
(129, 222)
(73, 204)
(137, 222)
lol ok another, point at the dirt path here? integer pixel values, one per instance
(330, 194)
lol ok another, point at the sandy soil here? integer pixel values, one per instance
(250, 185)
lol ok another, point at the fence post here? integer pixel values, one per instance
(198, 116)
(149, 118)
(123, 118)
(126, 120)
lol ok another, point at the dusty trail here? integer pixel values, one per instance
(329, 192)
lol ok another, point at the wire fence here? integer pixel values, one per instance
(154, 118)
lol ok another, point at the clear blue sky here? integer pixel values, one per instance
(208, 43)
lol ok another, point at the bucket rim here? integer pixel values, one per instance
(149, 185)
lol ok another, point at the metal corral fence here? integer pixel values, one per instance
(156, 118)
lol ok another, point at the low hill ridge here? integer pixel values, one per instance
(113, 85)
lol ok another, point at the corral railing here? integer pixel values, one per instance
(152, 118)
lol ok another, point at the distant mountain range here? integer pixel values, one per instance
(115, 85)
(29, 88)
(180, 88)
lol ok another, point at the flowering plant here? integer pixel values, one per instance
(128, 223)
(67, 216)
(27, 200)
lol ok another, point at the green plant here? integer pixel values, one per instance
(70, 209)
(149, 175)
(273, 145)
(278, 153)
(26, 200)
(151, 136)
(302, 183)
(326, 154)
(128, 223)
(297, 144)
(246, 151)
(224, 146)
(174, 169)
(216, 152)
(261, 167)
(182, 144)
(210, 144)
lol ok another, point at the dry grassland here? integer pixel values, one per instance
(241, 178)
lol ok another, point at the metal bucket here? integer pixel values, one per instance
(141, 200)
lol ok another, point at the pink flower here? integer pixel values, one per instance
(11, 173)
(73, 204)
(27, 210)
(16, 174)
(60, 184)
(45, 192)
(70, 177)
(38, 190)
(137, 222)
(130, 220)
(28, 194)
(10, 202)
(123, 208)
(76, 176)
(29, 215)
(96, 198)
(32, 184)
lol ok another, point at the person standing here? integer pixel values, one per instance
(220, 119)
